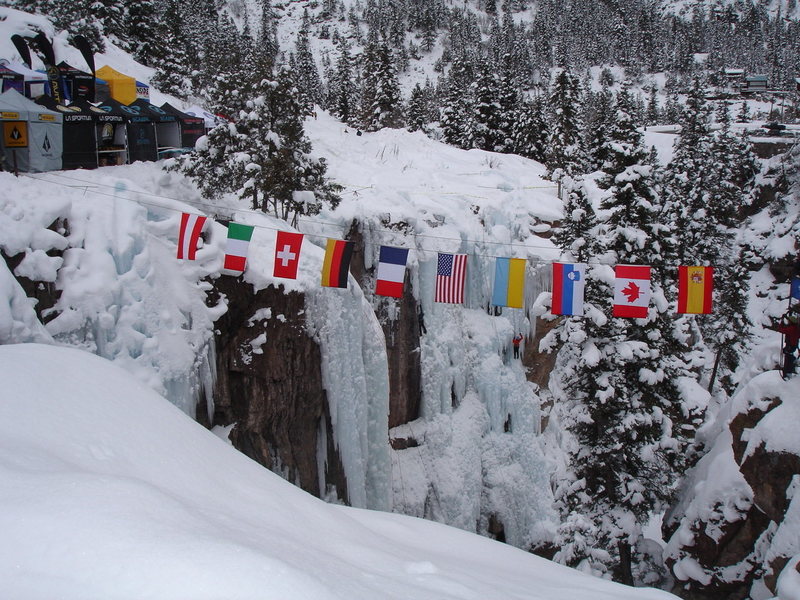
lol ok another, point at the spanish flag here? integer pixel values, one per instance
(336, 266)
(694, 290)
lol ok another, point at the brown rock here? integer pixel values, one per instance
(273, 393)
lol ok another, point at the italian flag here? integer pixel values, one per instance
(236, 249)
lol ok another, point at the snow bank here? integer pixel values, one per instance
(109, 492)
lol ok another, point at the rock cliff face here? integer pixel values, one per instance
(402, 342)
(734, 528)
(269, 386)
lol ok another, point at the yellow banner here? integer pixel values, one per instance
(15, 134)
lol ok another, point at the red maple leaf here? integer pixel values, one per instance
(632, 291)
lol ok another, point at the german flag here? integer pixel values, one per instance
(695, 285)
(336, 266)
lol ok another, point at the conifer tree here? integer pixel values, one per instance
(417, 114)
(617, 380)
(170, 63)
(599, 122)
(565, 149)
(689, 185)
(576, 233)
(529, 131)
(305, 71)
(458, 105)
(263, 155)
(381, 104)
(342, 88)
(141, 31)
(486, 133)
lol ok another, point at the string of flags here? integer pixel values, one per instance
(632, 289)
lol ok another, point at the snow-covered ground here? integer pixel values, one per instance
(110, 492)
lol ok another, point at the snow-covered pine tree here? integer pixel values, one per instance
(171, 62)
(728, 329)
(417, 113)
(617, 382)
(689, 185)
(565, 150)
(486, 134)
(141, 31)
(458, 104)
(381, 103)
(342, 88)
(529, 130)
(224, 70)
(577, 230)
(306, 75)
(599, 119)
(263, 155)
(268, 34)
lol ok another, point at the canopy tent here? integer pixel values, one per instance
(36, 83)
(32, 136)
(168, 128)
(211, 120)
(11, 80)
(79, 134)
(123, 88)
(191, 127)
(77, 84)
(111, 132)
(141, 130)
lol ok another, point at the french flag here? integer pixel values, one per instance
(569, 281)
(391, 271)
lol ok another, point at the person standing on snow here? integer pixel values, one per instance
(789, 327)
(516, 341)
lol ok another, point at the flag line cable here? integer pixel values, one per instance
(215, 208)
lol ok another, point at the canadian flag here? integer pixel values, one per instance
(632, 291)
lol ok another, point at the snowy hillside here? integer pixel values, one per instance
(110, 492)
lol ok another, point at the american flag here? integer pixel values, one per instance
(450, 273)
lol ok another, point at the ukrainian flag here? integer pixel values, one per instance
(509, 282)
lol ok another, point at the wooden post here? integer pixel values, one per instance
(714, 370)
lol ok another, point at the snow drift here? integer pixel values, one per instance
(111, 492)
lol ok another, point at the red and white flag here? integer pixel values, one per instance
(287, 254)
(632, 291)
(191, 227)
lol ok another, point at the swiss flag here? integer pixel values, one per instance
(287, 254)
(631, 291)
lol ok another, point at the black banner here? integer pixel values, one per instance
(22, 48)
(82, 44)
(53, 74)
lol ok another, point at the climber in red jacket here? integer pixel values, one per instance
(516, 341)
(789, 326)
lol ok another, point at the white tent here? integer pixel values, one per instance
(211, 120)
(32, 137)
(36, 83)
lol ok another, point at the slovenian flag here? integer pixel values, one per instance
(694, 290)
(795, 289)
(391, 271)
(631, 291)
(569, 281)
(336, 266)
(236, 248)
(189, 235)
(509, 282)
